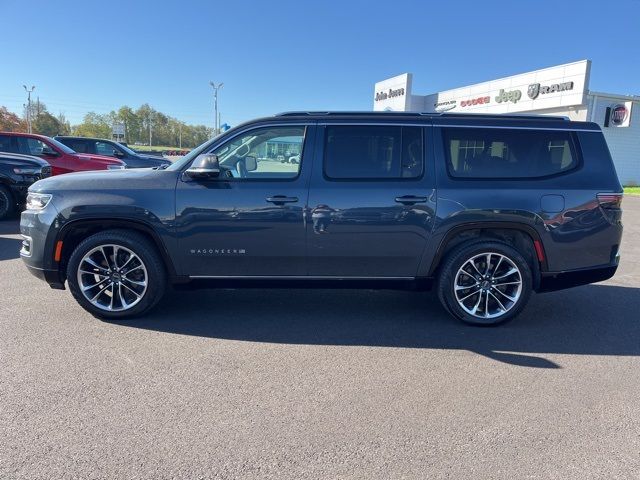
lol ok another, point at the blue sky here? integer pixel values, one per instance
(295, 55)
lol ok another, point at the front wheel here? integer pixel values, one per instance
(116, 274)
(485, 283)
(7, 203)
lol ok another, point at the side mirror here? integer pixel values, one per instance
(118, 154)
(203, 167)
(49, 152)
(251, 163)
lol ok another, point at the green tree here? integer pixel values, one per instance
(46, 124)
(94, 125)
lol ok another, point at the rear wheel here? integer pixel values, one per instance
(7, 203)
(116, 274)
(485, 283)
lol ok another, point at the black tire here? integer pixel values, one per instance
(495, 291)
(145, 250)
(7, 203)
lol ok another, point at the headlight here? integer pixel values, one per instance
(116, 167)
(27, 171)
(37, 201)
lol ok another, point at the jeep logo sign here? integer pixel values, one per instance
(512, 96)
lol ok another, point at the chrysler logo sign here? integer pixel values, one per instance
(535, 89)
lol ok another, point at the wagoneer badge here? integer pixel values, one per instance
(218, 251)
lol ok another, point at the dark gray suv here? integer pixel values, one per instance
(487, 209)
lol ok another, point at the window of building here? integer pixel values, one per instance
(507, 153)
(369, 152)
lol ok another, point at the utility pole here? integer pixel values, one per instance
(180, 134)
(149, 121)
(215, 87)
(29, 105)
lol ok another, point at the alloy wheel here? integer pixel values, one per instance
(112, 277)
(488, 285)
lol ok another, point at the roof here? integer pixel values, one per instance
(420, 115)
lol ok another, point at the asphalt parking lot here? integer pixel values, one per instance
(320, 384)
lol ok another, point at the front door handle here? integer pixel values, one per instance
(281, 199)
(411, 199)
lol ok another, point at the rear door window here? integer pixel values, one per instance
(373, 152)
(507, 153)
(79, 146)
(7, 144)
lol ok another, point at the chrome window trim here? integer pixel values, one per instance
(256, 127)
(568, 129)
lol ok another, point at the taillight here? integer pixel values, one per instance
(610, 200)
(611, 204)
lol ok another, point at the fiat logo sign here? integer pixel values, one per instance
(619, 114)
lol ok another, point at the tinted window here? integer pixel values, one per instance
(104, 148)
(373, 152)
(35, 146)
(263, 153)
(6, 144)
(79, 146)
(507, 153)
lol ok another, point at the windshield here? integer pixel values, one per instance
(60, 146)
(126, 149)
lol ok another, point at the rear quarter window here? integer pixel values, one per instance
(508, 153)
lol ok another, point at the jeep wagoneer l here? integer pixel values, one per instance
(487, 209)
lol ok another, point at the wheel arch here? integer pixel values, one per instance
(72, 233)
(521, 236)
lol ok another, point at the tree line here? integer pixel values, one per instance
(144, 125)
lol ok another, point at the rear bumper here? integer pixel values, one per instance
(551, 281)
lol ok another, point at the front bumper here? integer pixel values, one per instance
(52, 277)
(39, 231)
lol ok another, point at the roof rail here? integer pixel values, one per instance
(497, 116)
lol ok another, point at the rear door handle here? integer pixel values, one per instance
(411, 199)
(281, 199)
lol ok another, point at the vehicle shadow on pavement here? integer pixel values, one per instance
(589, 320)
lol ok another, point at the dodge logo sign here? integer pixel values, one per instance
(619, 114)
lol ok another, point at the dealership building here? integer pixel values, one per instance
(562, 90)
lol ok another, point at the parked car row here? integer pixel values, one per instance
(17, 173)
(26, 158)
(109, 148)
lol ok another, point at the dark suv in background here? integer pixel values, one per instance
(17, 173)
(109, 148)
(487, 208)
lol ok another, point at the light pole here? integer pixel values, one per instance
(29, 105)
(215, 105)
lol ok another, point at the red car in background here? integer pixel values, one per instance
(61, 158)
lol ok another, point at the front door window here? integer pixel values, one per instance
(263, 153)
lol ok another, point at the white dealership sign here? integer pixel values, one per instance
(560, 86)
(393, 94)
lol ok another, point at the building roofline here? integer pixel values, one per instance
(635, 98)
